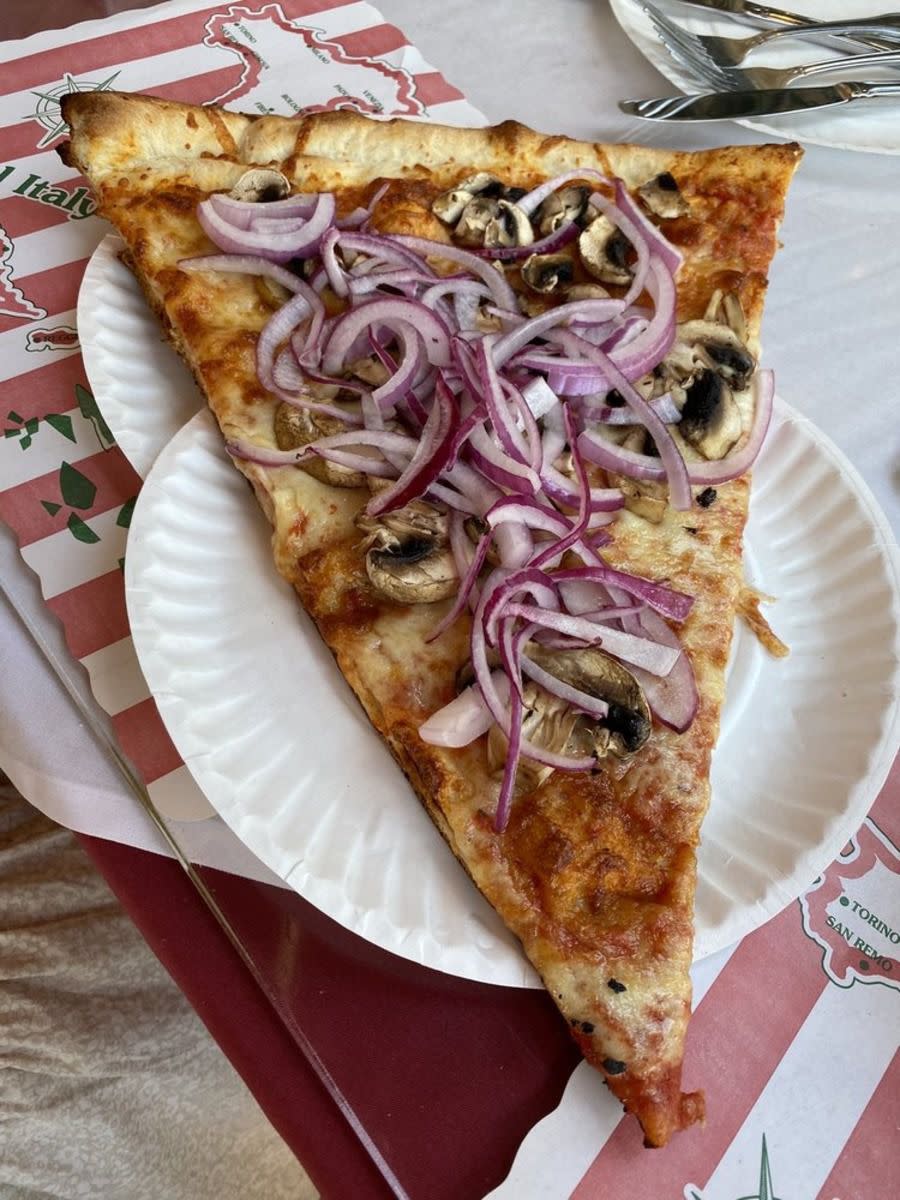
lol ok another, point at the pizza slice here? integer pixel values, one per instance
(498, 394)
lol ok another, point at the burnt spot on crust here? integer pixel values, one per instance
(615, 986)
(707, 497)
(613, 1066)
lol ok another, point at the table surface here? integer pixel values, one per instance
(830, 334)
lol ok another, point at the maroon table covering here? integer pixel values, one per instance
(447, 1076)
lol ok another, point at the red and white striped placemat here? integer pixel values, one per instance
(796, 1029)
(65, 489)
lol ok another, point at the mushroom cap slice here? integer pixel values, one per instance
(710, 419)
(296, 427)
(508, 227)
(628, 723)
(547, 273)
(448, 207)
(663, 198)
(720, 348)
(473, 221)
(604, 250)
(408, 559)
(568, 204)
(261, 185)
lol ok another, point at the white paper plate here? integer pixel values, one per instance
(874, 127)
(277, 742)
(139, 382)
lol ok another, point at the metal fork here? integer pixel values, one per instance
(730, 51)
(691, 53)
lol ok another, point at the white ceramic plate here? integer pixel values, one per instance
(874, 127)
(277, 742)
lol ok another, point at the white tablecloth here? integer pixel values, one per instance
(830, 332)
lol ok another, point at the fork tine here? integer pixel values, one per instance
(686, 49)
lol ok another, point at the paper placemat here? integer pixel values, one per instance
(796, 1030)
(65, 489)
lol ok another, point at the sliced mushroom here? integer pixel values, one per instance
(408, 556)
(568, 204)
(370, 370)
(627, 725)
(548, 272)
(710, 419)
(508, 227)
(663, 197)
(474, 219)
(604, 252)
(548, 722)
(448, 207)
(296, 427)
(720, 348)
(260, 185)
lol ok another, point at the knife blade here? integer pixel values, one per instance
(765, 102)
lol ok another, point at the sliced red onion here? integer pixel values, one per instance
(642, 353)
(242, 212)
(458, 723)
(528, 581)
(496, 281)
(384, 250)
(337, 277)
(499, 467)
(664, 407)
(511, 766)
(299, 243)
(532, 200)
(671, 603)
(546, 245)
(635, 235)
(497, 704)
(656, 240)
(644, 466)
(507, 345)
(515, 545)
(651, 656)
(279, 328)
(414, 362)
(428, 460)
(469, 578)
(389, 312)
(670, 455)
(540, 397)
(555, 552)
(526, 511)
(561, 490)
(673, 699)
(363, 463)
(583, 701)
(498, 409)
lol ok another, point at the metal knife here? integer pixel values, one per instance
(765, 102)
